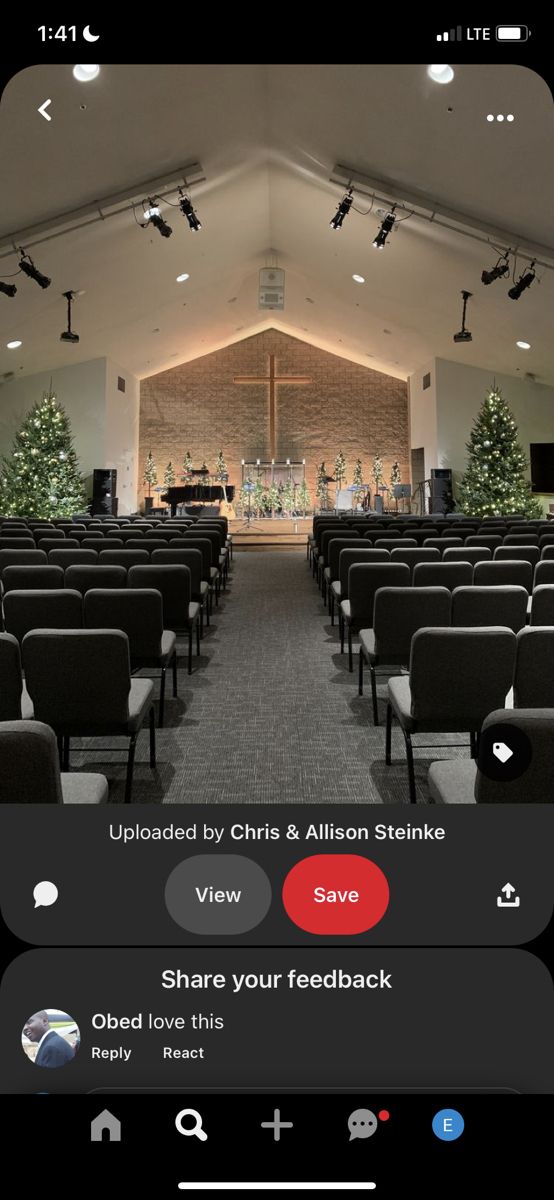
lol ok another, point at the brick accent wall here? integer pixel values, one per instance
(197, 407)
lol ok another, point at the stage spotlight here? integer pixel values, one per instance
(188, 212)
(501, 268)
(8, 289)
(68, 335)
(386, 226)
(464, 334)
(154, 217)
(342, 210)
(27, 265)
(523, 282)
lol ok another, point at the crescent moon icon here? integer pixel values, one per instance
(88, 36)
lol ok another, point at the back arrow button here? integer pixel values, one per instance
(42, 110)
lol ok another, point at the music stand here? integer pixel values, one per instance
(250, 520)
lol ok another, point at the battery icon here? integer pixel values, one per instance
(512, 33)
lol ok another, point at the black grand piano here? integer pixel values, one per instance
(200, 491)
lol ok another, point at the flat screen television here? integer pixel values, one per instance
(542, 467)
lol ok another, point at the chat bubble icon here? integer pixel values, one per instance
(45, 894)
(362, 1123)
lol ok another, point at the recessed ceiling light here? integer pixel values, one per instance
(440, 73)
(358, 278)
(14, 345)
(181, 278)
(85, 73)
(522, 345)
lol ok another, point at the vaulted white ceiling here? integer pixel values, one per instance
(268, 138)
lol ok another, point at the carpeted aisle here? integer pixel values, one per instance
(270, 713)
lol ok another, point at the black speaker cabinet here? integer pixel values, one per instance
(441, 490)
(104, 487)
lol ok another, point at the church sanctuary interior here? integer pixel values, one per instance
(277, 434)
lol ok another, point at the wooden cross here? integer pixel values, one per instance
(272, 379)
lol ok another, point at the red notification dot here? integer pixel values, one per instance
(335, 894)
(383, 1115)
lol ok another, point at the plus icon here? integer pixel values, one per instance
(277, 1125)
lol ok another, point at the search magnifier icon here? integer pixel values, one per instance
(194, 1130)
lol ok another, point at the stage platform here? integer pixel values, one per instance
(270, 532)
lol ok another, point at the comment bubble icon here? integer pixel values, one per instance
(45, 893)
(362, 1123)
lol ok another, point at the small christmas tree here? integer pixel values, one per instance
(358, 476)
(169, 476)
(258, 495)
(321, 489)
(395, 474)
(150, 473)
(303, 497)
(288, 499)
(187, 465)
(377, 471)
(273, 498)
(42, 477)
(340, 469)
(220, 465)
(494, 483)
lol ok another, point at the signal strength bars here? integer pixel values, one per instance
(455, 35)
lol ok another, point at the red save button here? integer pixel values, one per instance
(335, 894)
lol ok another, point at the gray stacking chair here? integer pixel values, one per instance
(478, 607)
(363, 553)
(72, 558)
(205, 547)
(529, 537)
(14, 702)
(542, 604)
(139, 613)
(191, 558)
(57, 543)
(544, 573)
(520, 551)
(22, 558)
(363, 582)
(102, 543)
(123, 558)
(414, 555)
(17, 543)
(516, 572)
(328, 536)
(395, 543)
(397, 614)
(443, 543)
(492, 540)
(52, 609)
(547, 552)
(457, 676)
(79, 681)
(470, 554)
(443, 574)
(459, 781)
(534, 669)
(35, 575)
(180, 612)
(30, 769)
(331, 569)
(81, 579)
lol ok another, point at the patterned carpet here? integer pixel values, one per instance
(270, 713)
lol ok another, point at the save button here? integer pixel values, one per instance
(335, 894)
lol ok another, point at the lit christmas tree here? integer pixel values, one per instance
(377, 471)
(303, 497)
(187, 465)
(288, 498)
(321, 488)
(395, 474)
(273, 498)
(150, 476)
(221, 465)
(169, 476)
(494, 483)
(340, 469)
(42, 477)
(358, 476)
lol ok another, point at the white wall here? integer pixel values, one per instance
(104, 421)
(423, 414)
(122, 434)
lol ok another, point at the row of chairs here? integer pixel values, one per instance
(457, 677)
(30, 769)
(65, 688)
(399, 612)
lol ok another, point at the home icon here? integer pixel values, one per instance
(105, 1122)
